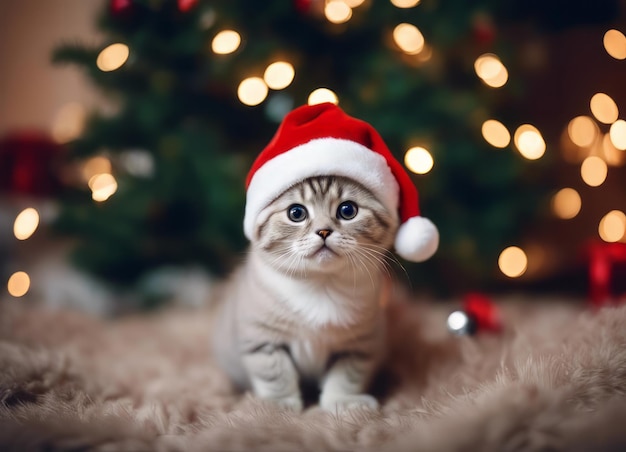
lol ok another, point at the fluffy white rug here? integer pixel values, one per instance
(555, 379)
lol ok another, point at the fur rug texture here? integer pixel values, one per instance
(554, 380)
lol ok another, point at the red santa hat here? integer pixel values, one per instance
(322, 140)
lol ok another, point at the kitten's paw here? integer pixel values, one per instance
(341, 402)
(291, 403)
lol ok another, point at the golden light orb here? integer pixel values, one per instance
(337, 11)
(513, 262)
(405, 3)
(418, 160)
(112, 57)
(103, 186)
(566, 203)
(611, 154)
(617, 134)
(96, 165)
(252, 91)
(593, 171)
(354, 3)
(279, 75)
(604, 108)
(529, 142)
(225, 42)
(408, 38)
(612, 227)
(69, 123)
(491, 70)
(582, 130)
(26, 223)
(321, 95)
(18, 284)
(495, 133)
(615, 44)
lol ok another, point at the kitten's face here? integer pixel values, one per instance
(323, 225)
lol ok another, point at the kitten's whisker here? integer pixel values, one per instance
(390, 257)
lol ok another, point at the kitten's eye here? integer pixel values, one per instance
(297, 213)
(347, 210)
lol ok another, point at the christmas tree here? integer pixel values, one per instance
(198, 88)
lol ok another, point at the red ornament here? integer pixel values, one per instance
(186, 5)
(602, 260)
(483, 30)
(29, 162)
(119, 7)
(483, 311)
(303, 6)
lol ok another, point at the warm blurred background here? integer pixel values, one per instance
(127, 128)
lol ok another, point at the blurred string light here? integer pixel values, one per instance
(354, 3)
(495, 133)
(418, 160)
(491, 70)
(321, 95)
(252, 91)
(529, 142)
(225, 42)
(68, 123)
(566, 203)
(582, 130)
(279, 75)
(408, 38)
(103, 186)
(604, 108)
(112, 57)
(593, 171)
(611, 154)
(612, 226)
(96, 165)
(513, 262)
(617, 134)
(26, 223)
(405, 3)
(337, 11)
(18, 284)
(615, 44)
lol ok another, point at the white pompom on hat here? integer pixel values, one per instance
(322, 140)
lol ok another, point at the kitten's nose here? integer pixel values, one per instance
(323, 233)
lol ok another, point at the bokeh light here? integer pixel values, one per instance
(96, 165)
(491, 70)
(566, 203)
(26, 223)
(69, 123)
(615, 44)
(354, 3)
(529, 142)
(496, 133)
(103, 186)
(418, 160)
(513, 262)
(337, 11)
(408, 38)
(225, 42)
(321, 95)
(18, 284)
(279, 75)
(604, 108)
(611, 154)
(582, 130)
(405, 3)
(612, 226)
(252, 91)
(618, 134)
(593, 170)
(112, 57)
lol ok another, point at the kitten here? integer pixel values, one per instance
(305, 305)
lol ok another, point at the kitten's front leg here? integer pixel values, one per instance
(273, 375)
(345, 383)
